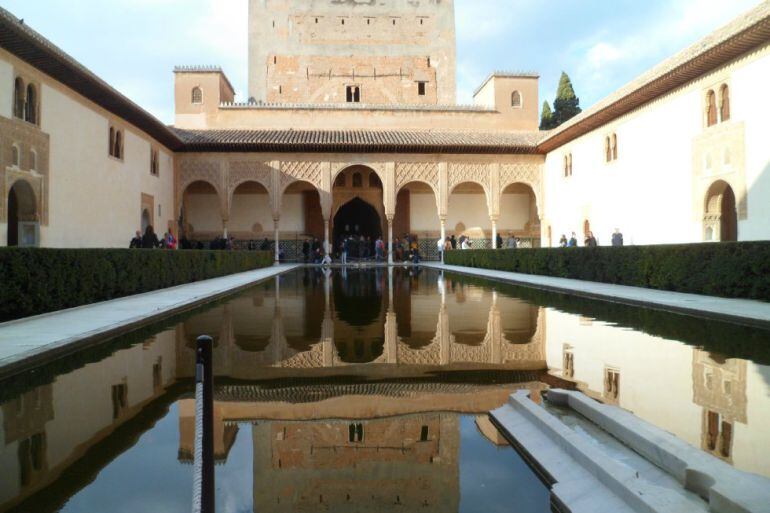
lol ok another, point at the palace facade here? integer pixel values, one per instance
(351, 127)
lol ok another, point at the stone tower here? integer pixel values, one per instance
(392, 52)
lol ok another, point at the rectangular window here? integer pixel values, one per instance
(421, 88)
(353, 94)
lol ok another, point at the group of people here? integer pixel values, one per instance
(361, 248)
(590, 240)
(150, 240)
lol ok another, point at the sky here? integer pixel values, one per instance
(602, 44)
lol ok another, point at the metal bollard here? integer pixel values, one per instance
(203, 472)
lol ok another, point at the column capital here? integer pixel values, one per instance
(494, 218)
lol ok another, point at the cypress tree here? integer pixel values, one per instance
(567, 104)
(546, 118)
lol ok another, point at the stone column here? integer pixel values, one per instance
(277, 241)
(443, 236)
(327, 244)
(390, 240)
(494, 231)
(224, 228)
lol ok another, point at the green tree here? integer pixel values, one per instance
(546, 118)
(567, 104)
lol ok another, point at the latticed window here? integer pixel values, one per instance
(516, 99)
(197, 95)
(711, 108)
(724, 106)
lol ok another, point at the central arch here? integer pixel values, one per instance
(22, 215)
(357, 218)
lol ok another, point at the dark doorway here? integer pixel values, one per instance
(356, 218)
(729, 217)
(13, 218)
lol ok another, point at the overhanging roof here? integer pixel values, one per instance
(358, 141)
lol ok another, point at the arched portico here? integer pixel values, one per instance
(417, 215)
(468, 214)
(250, 214)
(201, 212)
(519, 215)
(299, 218)
(358, 204)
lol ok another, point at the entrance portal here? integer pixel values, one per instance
(22, 215)
(356, 218)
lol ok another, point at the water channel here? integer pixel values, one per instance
(366, 390)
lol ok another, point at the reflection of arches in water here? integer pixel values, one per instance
(359, 350)
(205, 323)
(406, 289)
(358, 298)
(519, 329)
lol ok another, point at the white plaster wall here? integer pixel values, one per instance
(94, 200)
(469, 209)
(204, 212)
(292, 214)
(514, 212)
(6, 89)
(248, 209)
(747, 85)
(423, 213)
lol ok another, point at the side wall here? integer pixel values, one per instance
(655, 192)
(93, 200)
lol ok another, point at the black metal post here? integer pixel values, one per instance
(204, 376)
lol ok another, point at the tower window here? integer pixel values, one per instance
(711, 108)
(353, 94)
(724, 106)
(516, 99)
(356, 433)
(421, 88)
(30, 110)
(18, 98)
(197, 95)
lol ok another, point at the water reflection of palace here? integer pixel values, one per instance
(719, 404)
(357, 316)
(85, 418)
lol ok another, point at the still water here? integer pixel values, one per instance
(365, 390)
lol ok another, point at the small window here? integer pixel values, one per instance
(197, 95)
(368, 21)
(421, 21)
(33, 160)
(275, 59)
(160, 210)
(30, 108)
(724, 105)
(342, 21)
(353, 94)
(516, 100)
(356, 433)
(614, 143)
(340, 180)
(357, 180)
(394, 21)
(316, 20)
(607, 149)
(118, 151)
(18, 98)
(15, 156)
(711, 108)
(568, 165)
(424, 434)
(154, 163)
(421, 88)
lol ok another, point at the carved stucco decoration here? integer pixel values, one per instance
(377, 167)
(248, 171)
(426, 172)
(201, 171)
(306, 171)
(469, 173)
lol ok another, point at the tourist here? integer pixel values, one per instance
(170, 241)
(379, 249)
(572, 241)
(448, 244)
(305, 250)
(512, 243)
(440, 246)
(454, 242)
(150, 240)
(465, 242)
(563, 241)
(230, 243)
(590, 241)
(316, 247)
(327, 260)
(398, 250)
(498, 241)
(136, 242)
(617, 238)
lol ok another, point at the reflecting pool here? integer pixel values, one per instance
(365, 389)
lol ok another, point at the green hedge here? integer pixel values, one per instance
(735, 270)
(34, 281)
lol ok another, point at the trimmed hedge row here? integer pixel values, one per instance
(734, 270)
(36, 280)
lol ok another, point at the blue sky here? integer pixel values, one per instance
(602, 44)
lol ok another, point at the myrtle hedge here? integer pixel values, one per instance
(734, 270)
(36, 280)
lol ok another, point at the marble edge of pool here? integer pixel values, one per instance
(742, 311)
(28, 342)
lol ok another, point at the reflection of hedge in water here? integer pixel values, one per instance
(731, 340)
(36, 280)
(738, 269)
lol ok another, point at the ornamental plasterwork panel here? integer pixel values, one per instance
(719, 153)
(27, 138)
(245, 171)
(523, 173)
(201, 170)
(377, 167)
(307, 171)
(417, 172)
(469, 172)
